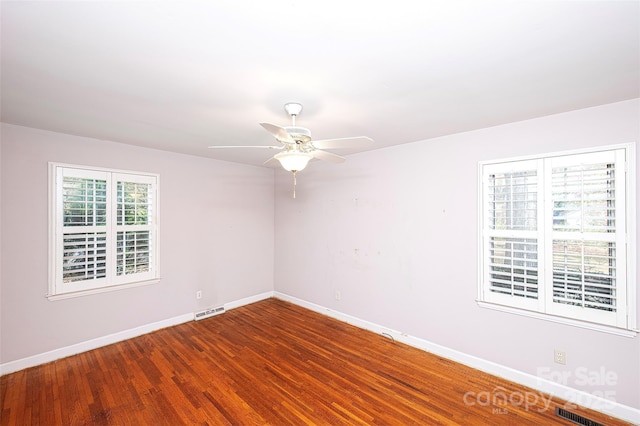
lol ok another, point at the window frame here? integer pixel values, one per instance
(57, 288)
(543, 307)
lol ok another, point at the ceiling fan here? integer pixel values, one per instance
(296, 146)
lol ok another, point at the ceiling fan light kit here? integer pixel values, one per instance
(293, 161)
(298, 147)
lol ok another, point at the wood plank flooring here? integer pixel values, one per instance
(272, 363)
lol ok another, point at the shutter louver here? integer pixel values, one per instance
(513, 200)
(584, 198)
(134, 203)
(84, 256)
(133, 255)
(584, 274)
(84, 201)
(514, 266)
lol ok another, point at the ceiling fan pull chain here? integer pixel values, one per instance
(294, 184)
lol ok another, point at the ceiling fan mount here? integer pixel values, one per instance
(293, 108)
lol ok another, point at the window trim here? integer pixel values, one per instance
(53, 263)
(632, 289)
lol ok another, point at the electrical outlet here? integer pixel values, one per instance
(338, 295)
(199, 294)
(559, 357)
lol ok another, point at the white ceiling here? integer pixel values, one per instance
(180, 76)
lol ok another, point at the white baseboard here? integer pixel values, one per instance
(88, 345)
(43, 358)
(567, 393)
(248, 300)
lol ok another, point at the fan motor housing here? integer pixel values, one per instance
(299, 134)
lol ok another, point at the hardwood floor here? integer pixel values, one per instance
(268, 363)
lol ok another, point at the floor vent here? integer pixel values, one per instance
(209, 313)
(576, 418)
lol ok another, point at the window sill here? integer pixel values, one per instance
(61, 296)
(561, 320)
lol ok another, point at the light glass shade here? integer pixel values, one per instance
(293, 161)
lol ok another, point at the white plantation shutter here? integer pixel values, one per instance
(104, 229)
(553, 234)
(511, 236)
(134, 225)
(588, 241)
(81, 229)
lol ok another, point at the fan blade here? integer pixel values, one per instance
(271, 162)
(327, 156)
(278, 132)
(355, 142)
(245, 146)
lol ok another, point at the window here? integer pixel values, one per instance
(555, 240)
(103, 229)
